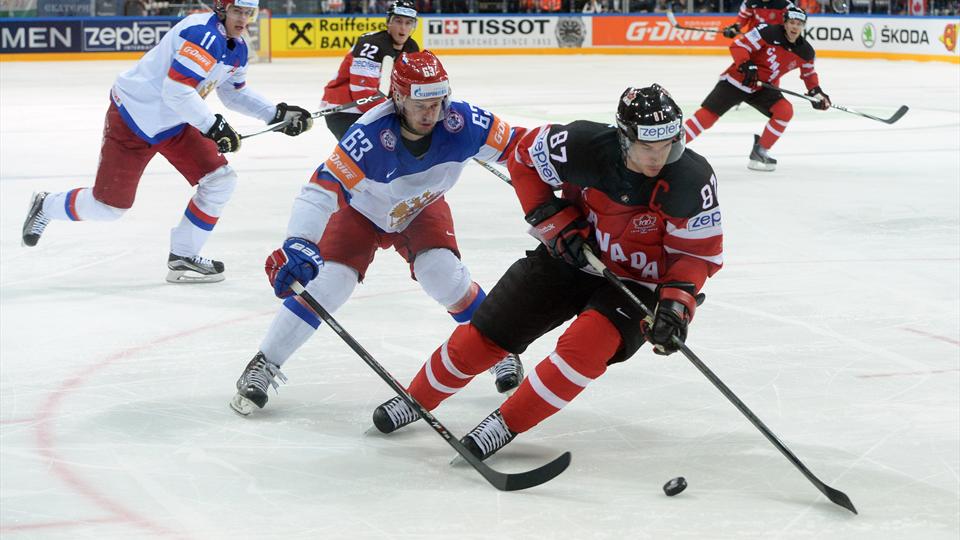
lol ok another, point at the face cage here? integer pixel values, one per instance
(444, 109)
(676, 149)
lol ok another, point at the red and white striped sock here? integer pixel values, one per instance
(701, 121)
(581, 356)
(454, 365)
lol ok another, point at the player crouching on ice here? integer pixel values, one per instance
(382, 186)
(763, 54)
(655, 218)
(158, 107)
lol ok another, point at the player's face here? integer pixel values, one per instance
(237, 20)
(648, 157)
(422, 114)
(400, 29)
(793, 29)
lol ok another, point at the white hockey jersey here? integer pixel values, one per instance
(165, 90)
(372, 171)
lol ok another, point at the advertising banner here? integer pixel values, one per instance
(18, 8)
(907, 36)
(505, 32)
(655, 31)
(37, 36)
(318, 36)
(65, 8)
(103, 35)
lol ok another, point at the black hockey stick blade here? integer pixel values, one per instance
(896, 116)
(837, 497)
(499, 480)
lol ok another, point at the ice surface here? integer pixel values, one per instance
(835, 319)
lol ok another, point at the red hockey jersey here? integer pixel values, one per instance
(649, 230)
(359, 73)
(769, 49)
(753, 13)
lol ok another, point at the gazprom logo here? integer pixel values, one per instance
(659, 132)
(431, 90)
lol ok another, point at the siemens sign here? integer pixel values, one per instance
(39, 36)
(82, 35)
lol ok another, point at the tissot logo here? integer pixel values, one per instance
(487, 27)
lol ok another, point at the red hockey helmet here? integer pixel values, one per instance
(419, 75)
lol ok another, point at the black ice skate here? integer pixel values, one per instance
(36, 220)
(252, 386)
(393, 415)
(489, 436)
(760, 160)
(509, 374)
(194, 269)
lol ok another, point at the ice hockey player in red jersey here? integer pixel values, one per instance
(158, 107)
(359, 73)
(753, 13)
(646, 205)
(763, 54)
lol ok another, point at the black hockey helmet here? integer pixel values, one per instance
(650, 114)
(403, 8)
(794, 13)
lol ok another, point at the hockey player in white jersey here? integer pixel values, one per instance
(158, 107)
(383, 186)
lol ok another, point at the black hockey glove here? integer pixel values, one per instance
(562, 229)
(227, 138)
(750, 72)
(731, 31)
(817, 93)
(298, 119)
(674, 312)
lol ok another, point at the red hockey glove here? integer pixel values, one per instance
(674, 312)
(562, 229)
(750, 72)
(817, 93)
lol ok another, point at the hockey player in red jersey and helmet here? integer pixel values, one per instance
(648, 208)
(360, 72)
(158, 107)
(763, 55)
(383, 186)
(753, 13)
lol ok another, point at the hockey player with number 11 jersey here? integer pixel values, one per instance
(158, 107)
(383, 186)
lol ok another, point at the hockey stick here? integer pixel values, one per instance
(499, 480)
(896, 116)
(384, 89)
(492, 169)
(837, 497)
(322, 112)
(676, 24)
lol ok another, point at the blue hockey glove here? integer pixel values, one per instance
(298, 260)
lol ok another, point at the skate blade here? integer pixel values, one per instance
(760, 166)
(242, 405)
(189, 276)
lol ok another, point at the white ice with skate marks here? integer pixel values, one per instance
(835, 320)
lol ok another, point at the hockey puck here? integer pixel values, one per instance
(674, 486)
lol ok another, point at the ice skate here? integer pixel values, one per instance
(36, 221)
(760, 160)
(509, 374)
(253, 384)
(393, 415)
(489, 436)
(194, 269)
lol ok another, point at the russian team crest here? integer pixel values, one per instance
(388, 139)
(454, 121)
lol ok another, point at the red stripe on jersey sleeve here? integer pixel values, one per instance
(192, 82)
